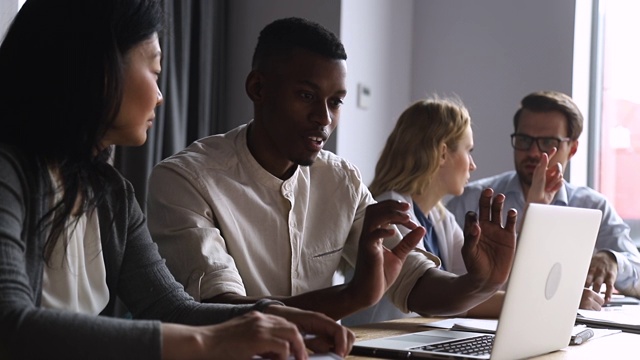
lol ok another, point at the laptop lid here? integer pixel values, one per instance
(554, 250)
(553, 253)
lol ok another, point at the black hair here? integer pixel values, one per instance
(282, 36)
(61, 79)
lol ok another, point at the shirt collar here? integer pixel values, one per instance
(253, 167)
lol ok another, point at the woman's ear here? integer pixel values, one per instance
(253, 86)
(443, 153)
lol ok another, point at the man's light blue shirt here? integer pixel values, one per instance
(613, 235)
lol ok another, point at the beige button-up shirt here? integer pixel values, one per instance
(225, 224)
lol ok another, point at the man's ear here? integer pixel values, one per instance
(253, 86)
(573, 149)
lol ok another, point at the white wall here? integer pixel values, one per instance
(8, 9)
(377, 35)
(581, 87)
(492, 53)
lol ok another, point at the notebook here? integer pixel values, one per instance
(553, 253)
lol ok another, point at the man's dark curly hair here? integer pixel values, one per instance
(282, 36)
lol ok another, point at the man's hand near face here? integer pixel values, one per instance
(547, 180)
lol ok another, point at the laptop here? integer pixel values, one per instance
(553, 253)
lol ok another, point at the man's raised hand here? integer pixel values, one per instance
(489, 247)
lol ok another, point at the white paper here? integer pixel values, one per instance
(626, 314)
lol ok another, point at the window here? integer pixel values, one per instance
(617, 117)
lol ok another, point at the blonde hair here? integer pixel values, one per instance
(413, 150)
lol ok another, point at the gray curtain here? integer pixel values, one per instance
(191, 81)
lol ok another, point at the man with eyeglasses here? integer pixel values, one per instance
(547, 127)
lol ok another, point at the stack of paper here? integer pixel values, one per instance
(625, 318)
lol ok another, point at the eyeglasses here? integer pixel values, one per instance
(545, 144)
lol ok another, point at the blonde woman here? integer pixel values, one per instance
(427, 157)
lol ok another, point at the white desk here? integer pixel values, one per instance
(616, 346)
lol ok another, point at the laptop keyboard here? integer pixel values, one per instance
(480, 345)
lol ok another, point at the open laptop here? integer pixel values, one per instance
(553, 253)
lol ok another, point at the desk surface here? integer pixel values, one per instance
(616, 346)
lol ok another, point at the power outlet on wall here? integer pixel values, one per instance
(364, 96)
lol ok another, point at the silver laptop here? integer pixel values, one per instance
(552, 258)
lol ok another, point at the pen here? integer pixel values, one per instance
(392, 354)
(581, 337)
(383, 353)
